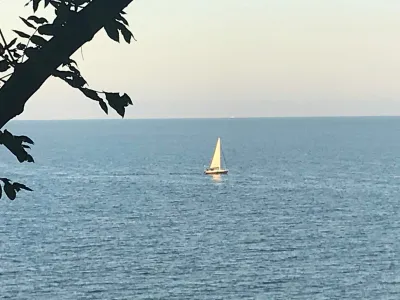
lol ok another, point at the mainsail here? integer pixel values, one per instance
(216, 159)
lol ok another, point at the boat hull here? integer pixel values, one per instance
(215, 172)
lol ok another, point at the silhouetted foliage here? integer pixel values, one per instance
(44, 50)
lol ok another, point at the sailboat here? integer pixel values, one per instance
(215, 166)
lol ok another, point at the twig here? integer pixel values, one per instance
(5, 45)
(27, 44)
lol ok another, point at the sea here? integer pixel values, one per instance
(121, 209)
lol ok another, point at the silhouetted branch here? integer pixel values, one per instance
(29, 76)
(71, 28)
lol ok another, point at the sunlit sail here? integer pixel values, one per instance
(215, 166)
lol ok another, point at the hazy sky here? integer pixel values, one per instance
(221, 58)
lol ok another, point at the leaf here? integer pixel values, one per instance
(112, 30)
(71, 78)
(24, 139)
(19, 186)
(22, 34)
(11, 43)
(118, 103)
(127, 99)
(91, 94)
(69, 62)
(38, 40)
(75, 70)
(9, 190)
(77, 82)
(121, 18)
(38, 20)
(27, 23)
(29, 158)
(14, 144)
(35, 5)
(56, 5)
(46, 29)
(5, 179)
(126, 34)
(21, 46)
(20, 153)
(103, 105)
(4, 66)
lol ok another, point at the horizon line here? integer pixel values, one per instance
(213, 118)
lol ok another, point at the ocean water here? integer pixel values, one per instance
(121, 210)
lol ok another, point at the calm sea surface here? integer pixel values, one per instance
(121, 210)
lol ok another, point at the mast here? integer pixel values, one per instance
(223, 157)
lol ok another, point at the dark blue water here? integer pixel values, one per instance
(121, 210)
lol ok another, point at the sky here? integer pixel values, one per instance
(222, 58)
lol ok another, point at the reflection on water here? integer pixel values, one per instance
(216, 177)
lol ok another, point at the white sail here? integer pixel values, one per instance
(216, 159)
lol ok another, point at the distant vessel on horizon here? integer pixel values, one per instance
(215, 165)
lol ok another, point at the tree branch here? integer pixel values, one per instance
(29, 76)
